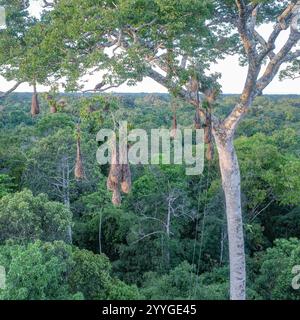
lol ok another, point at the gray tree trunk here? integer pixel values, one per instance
(231, 183)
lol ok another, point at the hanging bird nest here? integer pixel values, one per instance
(114, 176)
(53, 108)
(116, 198)
(119, 178)
(52, 103)
(207, 134)
(125, 172)
(174, 127)
(210, 152)
(126, 178)
(174, 122)
(194, 84)
(79, 169)
(35, 107)
(197, 119)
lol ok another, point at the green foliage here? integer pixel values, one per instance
(36, 271)
(6, 185)
(91, 277)
(75, 54)
(24, 218)
(169, 236)
(270, 173)
(275, 279)
(57, 271)
(183, 283)
(287, 224)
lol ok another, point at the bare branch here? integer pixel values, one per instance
(292, 56)
(12, 89)
(99, 88)
(282, 24)
(246, 30)
(267, 51)
(48, 4)
(253, 85)
(148, 235)
(275, 64)
(262, 210)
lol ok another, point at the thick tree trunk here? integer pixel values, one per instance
(231, 182)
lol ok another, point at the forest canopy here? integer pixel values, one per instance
(148, 231)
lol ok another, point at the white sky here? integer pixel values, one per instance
(233, 76)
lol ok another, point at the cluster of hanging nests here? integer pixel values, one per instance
(119, 178)
(54, 105)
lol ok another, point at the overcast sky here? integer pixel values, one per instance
(233, 76)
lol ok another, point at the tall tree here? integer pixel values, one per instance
(174, 43)
(22, 57)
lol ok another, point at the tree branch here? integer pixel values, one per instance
(275, 64)
(12, 89)
(246, 30)
(253, 85)
(99, 88)
(282, 24)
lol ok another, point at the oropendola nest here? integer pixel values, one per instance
(126, 178)
(197, 119)
(174, 127)
(208, 139)
(53, 108)
(35, 107)
(119, 178)
(210, 152)
(79, 169)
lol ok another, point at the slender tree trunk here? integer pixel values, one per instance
(100, 232)
(66, 193)
(231, 182)
(168, 226)
(221, 247)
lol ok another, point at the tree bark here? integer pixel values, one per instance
(231, 183)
